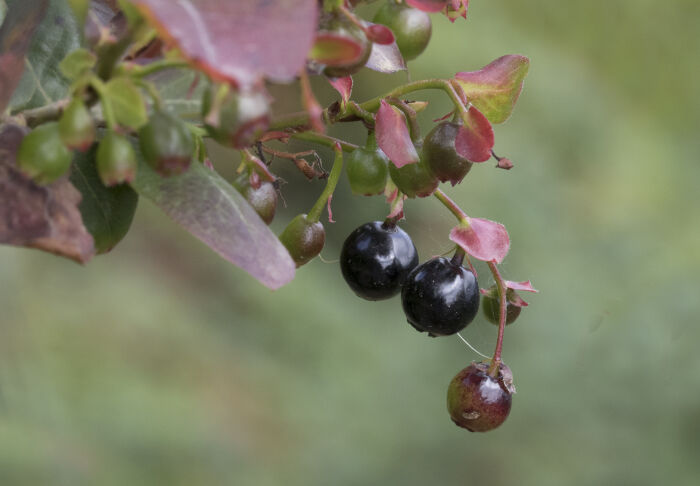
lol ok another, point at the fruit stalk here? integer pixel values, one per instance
(452, 206)
(315, 212)
(501, 284)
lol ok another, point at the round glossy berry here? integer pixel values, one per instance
(116, 160)
(263, 198)
(491, 306)
(342, 27)
(76, 126)
(376, 258)
(367, 170)
(167, 144)
(479, 402)
(411, 27)
(238, 118)
(440, 156)
(440, 297)
(303, 239)
(414, 180)
(42, 154)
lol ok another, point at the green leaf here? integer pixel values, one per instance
(80, 10)
(42, 81)
(127, 102)
(210, 208)
(180, 90)
(107, 212)
(495, 88)
(18, 27)
(77, 63)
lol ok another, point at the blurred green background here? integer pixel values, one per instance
(162, 364)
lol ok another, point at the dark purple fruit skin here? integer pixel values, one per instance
(440, 155)
(303, 239)
(477, 401)
(440, 297)
(491, 307)
(376, 258)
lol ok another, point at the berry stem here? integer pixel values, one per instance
(315, 212)
(325, 140)
(501, 284)
(156, 66)
(452, 206)
(107, 110)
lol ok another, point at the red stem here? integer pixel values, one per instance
(501, 284)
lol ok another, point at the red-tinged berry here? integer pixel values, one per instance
(167, 144)
(440, 155)
(342, 27)
(303, 239)
(262, 198)
(238, 118)
(76, 126)
(116, 160)
(477, 401)
(491, 305)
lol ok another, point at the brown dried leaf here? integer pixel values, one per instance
(42, 217)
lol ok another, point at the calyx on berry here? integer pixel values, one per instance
(235, 118)
(167, 143)
(116, 160)
(491, 305)
(340, 26)
(76, 126)
(367, 169)
(262, 198)
(440, 156)
(412, 28)
(440, 296)
(42, 154)
(376, 259)
(477, 401)
(304, 239)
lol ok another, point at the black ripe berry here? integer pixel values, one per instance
(376, 258)
(477, 401)
(440, 297)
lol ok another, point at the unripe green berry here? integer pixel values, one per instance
(76, 126)
(303, 239)
(42, 155)
(263, 198)
(414, 179)
(116, 160)
(411, 27)
(491, 305)
(367, 171)
(341, 26)
(239, 119)
(166, 143)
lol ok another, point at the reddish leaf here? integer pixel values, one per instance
(238, 41)
(380, 34)
(333, 49)
(455, 9)
(393, 136)
(525, 286)
(495, 88)
(483, 239)
(16, 33)
(342, 86)
(42, 217)
(428, 5)
(386, 59)
(210, 208)
(474, 139)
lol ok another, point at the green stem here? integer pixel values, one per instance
(152, 92)
(325, 140)
(452, 206)
(37, 116)
(411, 118)
(107, 110)
(156, 66)
(315, 213)
(501, 284)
